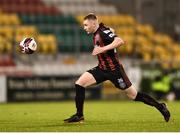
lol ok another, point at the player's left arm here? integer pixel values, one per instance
(108, 36)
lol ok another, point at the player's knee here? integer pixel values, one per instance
(76, 82)
(131, 96)
(131, 93)
(80, 83)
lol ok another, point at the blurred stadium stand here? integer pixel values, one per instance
(56, 25)
(163, 15)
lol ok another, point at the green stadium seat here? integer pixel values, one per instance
(86, 43)
(66, 44)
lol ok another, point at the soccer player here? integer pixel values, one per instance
(109, 68)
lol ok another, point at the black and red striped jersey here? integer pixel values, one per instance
(109, 59)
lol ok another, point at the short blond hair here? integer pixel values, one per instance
(90, 16)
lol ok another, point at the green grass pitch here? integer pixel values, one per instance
(99, 116)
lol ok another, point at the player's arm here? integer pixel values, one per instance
(116, 43)
(113, 42)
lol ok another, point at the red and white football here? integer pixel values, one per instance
(28, 45)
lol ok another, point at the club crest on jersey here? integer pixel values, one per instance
(121, 83)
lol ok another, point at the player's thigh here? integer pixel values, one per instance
(120, 79)
(86, 79)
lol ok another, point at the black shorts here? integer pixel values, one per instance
(117, 77)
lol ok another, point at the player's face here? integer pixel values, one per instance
(89, 26)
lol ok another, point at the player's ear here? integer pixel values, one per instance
(94, 23)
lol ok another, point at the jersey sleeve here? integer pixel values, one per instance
(107, 36)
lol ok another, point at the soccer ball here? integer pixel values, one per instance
(28, 45)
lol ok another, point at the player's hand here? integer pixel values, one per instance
(98, 50)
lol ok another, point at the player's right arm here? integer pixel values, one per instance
(111, 41)
(116, 43)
